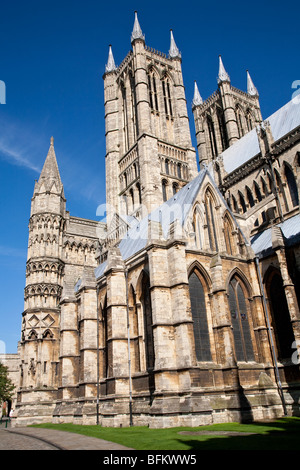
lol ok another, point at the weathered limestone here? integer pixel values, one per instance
(163, 316)
(147, 128)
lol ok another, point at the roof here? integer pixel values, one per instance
(50, 169)
(177, 207)
(262, 242)
(281, 122)
(99, 271)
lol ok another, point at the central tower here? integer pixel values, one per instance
(149, 153)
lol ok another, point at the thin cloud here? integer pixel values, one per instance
(15, 157)
(15, 143)
(21, 146)
(12, 252)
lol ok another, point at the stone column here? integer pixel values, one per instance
(88, 339)
(141, 86)
(222, 322)
(118, 371)
(180, 306)
(261, 328)
(229, 113)
(200, 136)
(182, 127)
(69, 349)
(289, 288)
(112, 143)
(162, 316)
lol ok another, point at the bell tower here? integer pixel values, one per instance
(224, 117)
(149, 153)
(40, 336)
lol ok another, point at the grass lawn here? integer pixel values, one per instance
(282, 434)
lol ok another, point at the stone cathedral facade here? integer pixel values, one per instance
(182, 308)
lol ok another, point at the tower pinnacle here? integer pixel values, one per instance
(174, 51)
(110, 66)
(251, 89)
(50, 171)
(223, 75)
(197, 100)
(137, 32)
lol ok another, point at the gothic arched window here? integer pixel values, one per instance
(125, 117)
(167, 95)
(210, 220)
(175, 188)
(239, 121)
(257, 192)
(199, 316)
(164, 190)
(104, 344)
(134, 330)
(235, 205)
(223, 130)
(271, 183)
(139, 192)
(290, 178)
(212, 136)
(152, 86)
(133, 106)
(264, 186)
(197, 224)
(179, 174)
(280, 188)
(242, 202)
(249, 120)
(148, 331)
(250, 197)
(229, 241)
(131, 197)
(280, 315)
(239, 319)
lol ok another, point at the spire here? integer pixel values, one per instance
(223, 75)
(251, 89)
(197, 100)
(110, 66)
(174, 51)
(50, 173)
(137, 32)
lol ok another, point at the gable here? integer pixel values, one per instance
(282, 122)
(180, 208)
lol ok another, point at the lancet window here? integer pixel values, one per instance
(223, 130)
(239, 311)
(281, 320)
(199, 316)
(211, 221)
(152, 86)
(212, 136)
(290, 178)
(167, 96)
(239, 121)
(229, 241)
(148, 332)
(164, 190)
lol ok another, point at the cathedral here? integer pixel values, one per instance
(181, 307)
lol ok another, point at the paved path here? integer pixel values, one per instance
(10, 441)
(50, 439)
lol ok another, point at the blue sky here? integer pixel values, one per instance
(53, 56)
